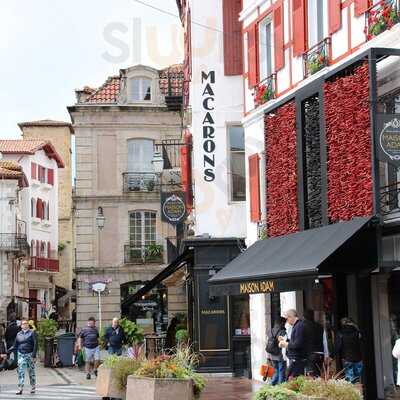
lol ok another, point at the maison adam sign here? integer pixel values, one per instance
(388, 139)
(208, 98)
(172, 207)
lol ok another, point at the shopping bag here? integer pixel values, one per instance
(80, 359)
(266, 371)
(396, 349)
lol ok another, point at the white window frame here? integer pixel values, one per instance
(315, 12)
(266, 48)
(143, 241)
(229, 164)
(141, 80)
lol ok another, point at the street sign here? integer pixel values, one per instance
(388, 140)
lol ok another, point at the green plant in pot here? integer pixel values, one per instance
(150, 185)
(182, 337)
(154, 251)
(133, 333)
(46, 329)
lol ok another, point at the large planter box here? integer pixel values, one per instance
(106, 385)
(141, 388)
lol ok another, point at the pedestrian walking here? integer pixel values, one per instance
(274, 352)
(314, 333)
(348, 346)
(296, 345)
(26, 346)
(3, 351)
(11, 333)
(114, 338)
(89, 342)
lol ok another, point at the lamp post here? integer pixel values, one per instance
(100, 218)
(99, 288)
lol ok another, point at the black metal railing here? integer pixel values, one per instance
(143, 254)
(13, 242)
(317, 57)
(170, 149)
(140, 182)
(265, 90)
(390, 199)
(381, 17)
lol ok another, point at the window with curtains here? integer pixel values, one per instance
(237, 163)
(140, 155)
(315, 22)
(142, 230)
(265, 48)
(139, 89)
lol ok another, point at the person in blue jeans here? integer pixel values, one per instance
(348, 346)
(114, 338)
(274, 352)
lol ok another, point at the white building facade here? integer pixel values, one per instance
(39, 208)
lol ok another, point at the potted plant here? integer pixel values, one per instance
(154, 252)
(46, 331)
(113, 374)
(150, 184)
(167, 377)
(182, 337)
(316, 63)
(382, 19)
(263, 93)
(133, 333)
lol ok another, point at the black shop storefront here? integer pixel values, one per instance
(219, 326)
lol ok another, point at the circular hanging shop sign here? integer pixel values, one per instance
(174, 209)
(389, 139)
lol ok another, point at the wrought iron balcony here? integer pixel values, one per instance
(140, 182)
(13, 242)
(143, 255)
(380, 17)
(265, 90)
(44, 264)
(317, 57)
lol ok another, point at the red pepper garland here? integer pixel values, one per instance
(348, 136)
(281, 172)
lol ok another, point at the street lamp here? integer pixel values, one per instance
(99, 288)
(100, 218)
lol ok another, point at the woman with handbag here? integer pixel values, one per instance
(396, 354)
(274, 352)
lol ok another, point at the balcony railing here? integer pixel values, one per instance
(390, 199)
(143, 255)
(170, 149)
(317, 57)
(44, 264)
(140, 182)
(265, 90)
(13, 242)
(380, 17)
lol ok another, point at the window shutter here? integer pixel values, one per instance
(335, 15)
(299, 27)
(252, 55)
(233, 46)
(39, 209)
(48, 249)
(279, 36)
(50, 176)
(254, 181)
(360, 7)
(33, 171)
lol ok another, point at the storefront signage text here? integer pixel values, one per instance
(212, 312)
(208, 96)
(389, 138)
(173, 208)
(257, 287)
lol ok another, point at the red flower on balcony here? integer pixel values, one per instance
(263, 93)
(381, 19)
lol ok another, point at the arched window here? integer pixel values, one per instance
(33, 208)
(39, 209)
(33, 248)
(48, 250)
(140, 155)
(37, 248)
(43, 249)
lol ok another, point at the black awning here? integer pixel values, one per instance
(270, 265)
(179, 262)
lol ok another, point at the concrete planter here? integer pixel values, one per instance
(106, 385)
(142, 388)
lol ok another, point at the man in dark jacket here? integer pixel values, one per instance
(11, 333)
(315, 345)
(296, 346)
(114, 338)
(348, 345)
(89, 341)
(26, 346)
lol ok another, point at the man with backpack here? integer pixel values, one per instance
(274, 352)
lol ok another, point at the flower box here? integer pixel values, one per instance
(106, 385)
(143, 388)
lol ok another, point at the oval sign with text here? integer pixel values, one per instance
(173, 209)
(389, 139)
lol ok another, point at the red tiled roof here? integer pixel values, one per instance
(11, 170)
(30, 146)
(108, 93)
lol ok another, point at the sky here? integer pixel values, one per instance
(51, 47)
